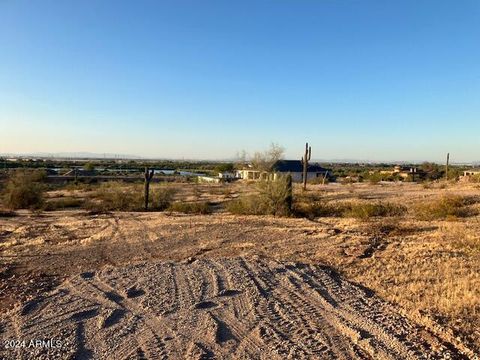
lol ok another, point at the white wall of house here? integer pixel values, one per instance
(251, 174)
(226, 175)
(208, 179)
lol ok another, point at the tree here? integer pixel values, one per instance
(264, 161)
(89, 166)
(220, 168)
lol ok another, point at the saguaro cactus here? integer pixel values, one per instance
(148, 178)
(306, 158)
(289, 199)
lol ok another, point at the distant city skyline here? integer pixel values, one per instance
(369, 80)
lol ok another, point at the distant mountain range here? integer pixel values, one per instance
(73, 155)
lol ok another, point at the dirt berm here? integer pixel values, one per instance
(238, 308)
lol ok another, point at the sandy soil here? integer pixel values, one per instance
(232, 308)
(159, 285)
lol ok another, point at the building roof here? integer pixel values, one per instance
(296, 166)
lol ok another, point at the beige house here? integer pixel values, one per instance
(471, 172)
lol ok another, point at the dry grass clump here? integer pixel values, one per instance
(447, 207)
(367, 210)
(202, 207)
(433, 273)
(458, 236)
(316, 209)
(116, 197)
(24, 190)
(246, 205)
(359, 210)
(63, 203)
(474, 178)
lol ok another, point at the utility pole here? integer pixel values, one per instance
(446, 166)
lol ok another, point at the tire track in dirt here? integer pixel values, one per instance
(235, 308)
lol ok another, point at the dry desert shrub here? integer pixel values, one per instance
(114, 196)
(367, 210)
(311, 210)
(24, 190)
(162, 197)
(202, 207)
(358, 210)
(63, 203)
(272, 198)
(447, 207)
(246, 205)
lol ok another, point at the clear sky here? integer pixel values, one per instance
(376, 80)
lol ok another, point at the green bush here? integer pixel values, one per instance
(191, 208)
(24, 190)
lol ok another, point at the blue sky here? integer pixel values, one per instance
(374, 80)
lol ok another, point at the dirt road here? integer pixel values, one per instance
(238, 308)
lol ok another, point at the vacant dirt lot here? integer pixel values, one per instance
(234, 308)
(428, 270)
